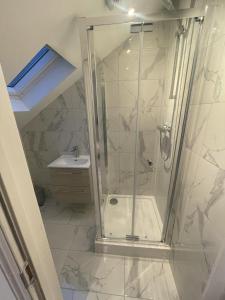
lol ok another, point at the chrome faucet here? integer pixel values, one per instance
(75, 151)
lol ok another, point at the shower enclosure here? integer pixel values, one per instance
(138, 79)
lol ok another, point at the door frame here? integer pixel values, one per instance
(21, 204)
(85, 25)
(12, 271)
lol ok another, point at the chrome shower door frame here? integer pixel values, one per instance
(85, 25)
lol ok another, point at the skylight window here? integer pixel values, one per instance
(45, 71)
(29, 66)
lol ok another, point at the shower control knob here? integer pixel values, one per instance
(150, 163)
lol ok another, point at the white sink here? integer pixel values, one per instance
(69, 161)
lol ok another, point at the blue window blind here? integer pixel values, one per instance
(29, 66)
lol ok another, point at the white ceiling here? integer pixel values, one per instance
(27, 25)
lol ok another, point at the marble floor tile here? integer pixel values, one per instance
(95, 296)
(74, 214)
(67, 294)
(70, 237)
(60, 236)
(59, 257)
(149, 279)
(82, 215)
(83, 238)
(56, 213)
(86, 271)
(84, 274)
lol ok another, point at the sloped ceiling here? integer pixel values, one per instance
(27, 25)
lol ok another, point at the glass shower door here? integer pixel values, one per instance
(161, 59)
(137, 71)
(116, 85)
(137, 118)
(156, 52)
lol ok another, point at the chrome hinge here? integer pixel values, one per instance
(200, 20)
(27, 275)
(131, 237)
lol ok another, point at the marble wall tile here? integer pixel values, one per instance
(126, 173)
(153, 64)
(111, 66)
(199, 224)
(133, 42)
(112, 97)
(151, 93)
(158, 38)
(214, 140)
(149, 120)
(113, 172)
(128, 65)
(113, 119)
(128, 92)
(196, 126)
(204, 221)
(127, 141)
(57, 128)
(113, 141)
(210, 76)
(145, 184)
(121, 80)
(147, 144)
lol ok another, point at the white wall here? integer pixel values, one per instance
(26, 25)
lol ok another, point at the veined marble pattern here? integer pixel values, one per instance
(73, 214)
(94, 275)
(84, 274)
(94, 272)
(55, 130)
(76, 220)
(199, 223)
(149, 279)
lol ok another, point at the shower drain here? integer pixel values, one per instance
(113, 201)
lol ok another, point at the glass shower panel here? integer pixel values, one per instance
(116, 53)
(155, 110)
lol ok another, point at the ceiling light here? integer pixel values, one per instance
(131, 12)
(128, 51)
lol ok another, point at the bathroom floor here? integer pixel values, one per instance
(117, 217)
(84, 274)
